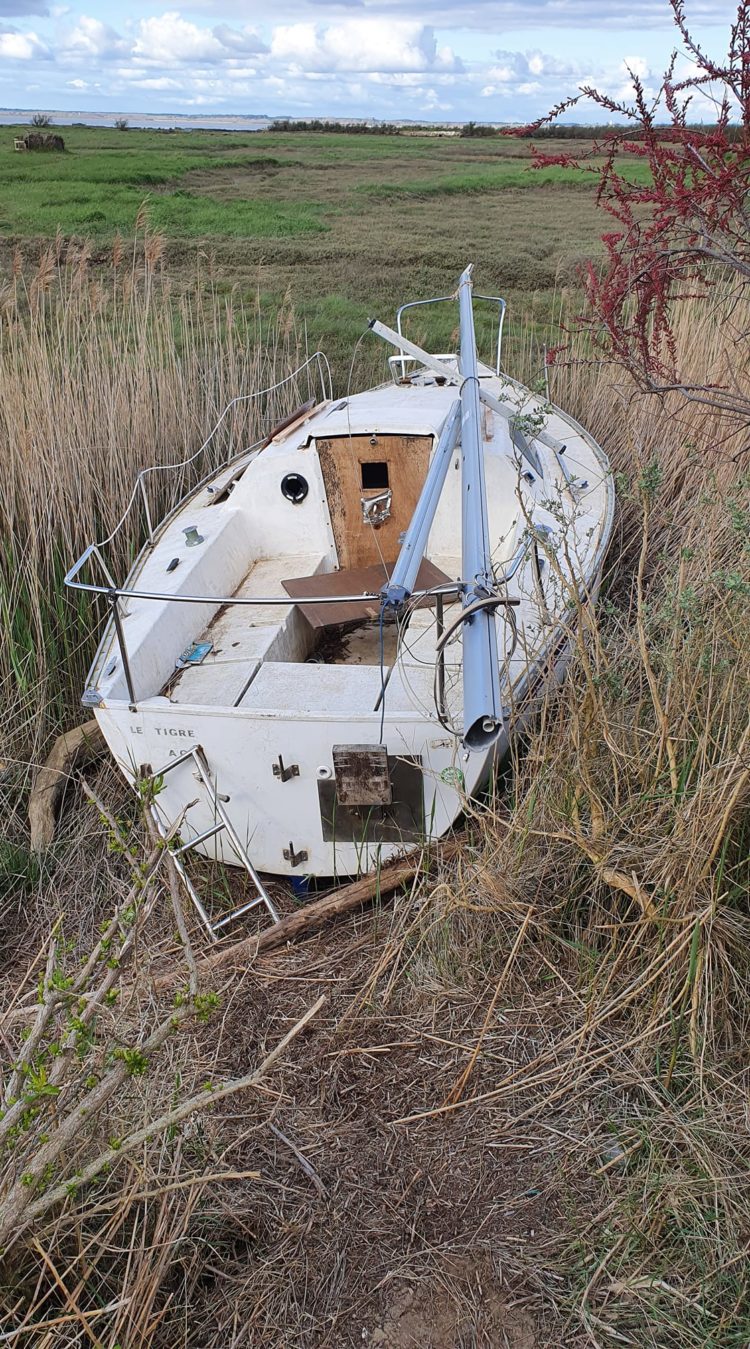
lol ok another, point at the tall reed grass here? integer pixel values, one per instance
(105, 370)
(629, 840)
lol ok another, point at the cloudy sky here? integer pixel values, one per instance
(482, 59)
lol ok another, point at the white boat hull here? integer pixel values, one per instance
(274, 817)
(266, 712)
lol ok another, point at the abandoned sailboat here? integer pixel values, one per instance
(324, 648)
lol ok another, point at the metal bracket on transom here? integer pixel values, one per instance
(285, 773)
(295, 857)
(376, 510)
(213, 927)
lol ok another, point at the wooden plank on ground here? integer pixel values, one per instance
(71, 751)
(314, 916)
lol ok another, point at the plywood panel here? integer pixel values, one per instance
(353, 581)
(341, 459)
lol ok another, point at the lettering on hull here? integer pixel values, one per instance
(171, 731)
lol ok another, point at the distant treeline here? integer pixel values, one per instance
(570, 131)
(562, 133)
(350, 128)
(479, 129)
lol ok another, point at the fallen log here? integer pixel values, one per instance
(72, 750)
(314, 916)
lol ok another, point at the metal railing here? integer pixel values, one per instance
(114, 593)
(318, 360)
(443, 299)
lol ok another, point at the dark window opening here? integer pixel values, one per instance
(375, 476)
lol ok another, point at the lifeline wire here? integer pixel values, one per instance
(241, 398)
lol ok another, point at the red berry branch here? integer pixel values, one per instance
(683, 227)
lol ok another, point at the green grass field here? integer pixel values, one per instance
(344, 225)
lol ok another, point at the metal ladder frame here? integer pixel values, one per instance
(197, 755)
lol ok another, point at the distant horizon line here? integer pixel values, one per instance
(82, 114)
(256, 116)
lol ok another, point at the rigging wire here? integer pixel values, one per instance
(240, 398)
(350, 377)
(382, 670)
(422, 634)
(486, 602)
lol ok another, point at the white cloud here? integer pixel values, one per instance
(169, 39)
(295, 42)
(433, 103)
(159, 82)
(15, 46)
(239, 41)
(522, 65)
(241, 72)
(520, 72)
(360, 45)
(92, 38)
(637, 65)
(400, 79)
(501, 74)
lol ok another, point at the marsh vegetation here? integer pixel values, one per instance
(353, 224)
(520, 1115)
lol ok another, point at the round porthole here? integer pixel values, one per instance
(294, 487)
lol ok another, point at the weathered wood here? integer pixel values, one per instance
(290, 423)
(314, 916)
(341, 461)
(355, 581)
(72, 750)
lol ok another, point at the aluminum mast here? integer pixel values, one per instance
(483, 715)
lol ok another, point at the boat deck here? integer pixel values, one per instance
(273, 657)
(243, 636)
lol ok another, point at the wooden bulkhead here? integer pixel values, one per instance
(363, 466)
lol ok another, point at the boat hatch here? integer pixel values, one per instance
(372, 484)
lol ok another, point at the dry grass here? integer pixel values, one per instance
(521, 1117)
(104, 371)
